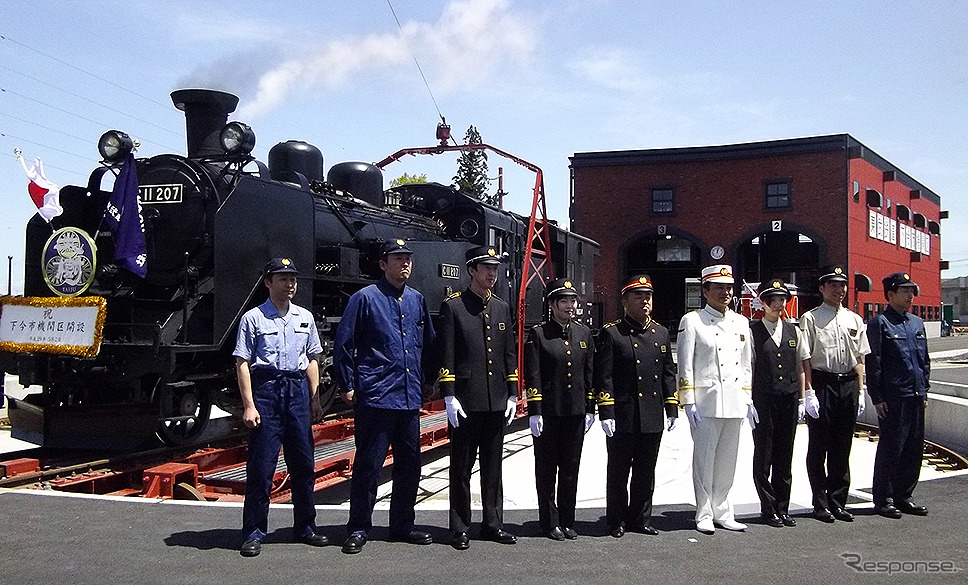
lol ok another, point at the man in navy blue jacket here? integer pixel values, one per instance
(898, 369)
(378, 353)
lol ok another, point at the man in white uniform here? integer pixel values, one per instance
(715, 379)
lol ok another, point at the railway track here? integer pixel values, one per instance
(215, 471)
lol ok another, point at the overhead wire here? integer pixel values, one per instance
(417, 63)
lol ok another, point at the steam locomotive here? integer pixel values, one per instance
(211, 220)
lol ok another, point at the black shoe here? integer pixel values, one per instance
(460, 541)
(618, 531)
(354, 543)
(251, 548)
(888, 511)
(788, 520)
(912, 508)
(413, 537)
(569, 533)
(313, 539)
(500, 537)
(771, 520)
(555, 534)
(842, 515)
(647, 530)
(823, 514)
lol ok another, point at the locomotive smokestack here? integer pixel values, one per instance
(206, 111)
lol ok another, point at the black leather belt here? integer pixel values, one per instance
(838, 377)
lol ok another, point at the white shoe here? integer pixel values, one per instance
(706, 526)
(731, 525)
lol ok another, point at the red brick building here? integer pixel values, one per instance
(782, 208)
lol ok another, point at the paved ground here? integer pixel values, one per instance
(55, 539)
(46, 537)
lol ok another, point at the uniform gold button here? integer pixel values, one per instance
(568, 352)
(490, 361)
(781, 377)
(569, 374)
(640, 377)
(656, 376)
(489, 350)
(408, 369)
(488, 338)
(640, 395)
(569, 385)
(635, 345)
(778, 355)
(568, 364)
(779, 366)
(488, 326)
(566, 342)
(656, 344)
(638, 361)
(490, 373)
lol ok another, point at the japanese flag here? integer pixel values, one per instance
(45, 195)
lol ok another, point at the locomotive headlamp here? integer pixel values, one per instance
(237, 138)
(114, 146)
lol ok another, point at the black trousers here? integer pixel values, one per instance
(480, 433)
(830, 438)
(897, 465)
(773, 450)
(626, 502)
(557, 456)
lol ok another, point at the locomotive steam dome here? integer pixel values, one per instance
(362, 180)
(295, 156)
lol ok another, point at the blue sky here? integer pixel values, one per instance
(541, 80)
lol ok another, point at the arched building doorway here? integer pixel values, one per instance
(786, 253)
(670, 260)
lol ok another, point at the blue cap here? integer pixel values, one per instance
(279, 266)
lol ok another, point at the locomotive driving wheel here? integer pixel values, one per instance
(184, 413)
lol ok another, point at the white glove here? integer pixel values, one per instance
(509, 411)
(454, 410)
(692, 413)
(801, 411)
(537, 424)
(861, 402)
(608, 425)
(671, 422)
(811, 404)
(752, 416)
(589, 420)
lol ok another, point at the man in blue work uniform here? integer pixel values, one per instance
(898, 372)
(378, 357)
(479, 381)
(276, 364)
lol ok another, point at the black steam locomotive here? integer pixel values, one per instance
(211, 220)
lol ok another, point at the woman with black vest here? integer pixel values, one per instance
(778, 386)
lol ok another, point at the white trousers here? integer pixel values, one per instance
(715, 445)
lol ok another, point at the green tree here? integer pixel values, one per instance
(407, 179)
(471, 174)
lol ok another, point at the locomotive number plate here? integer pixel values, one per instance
(154, 194)
(449, 271)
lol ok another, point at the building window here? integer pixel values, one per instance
(662, 201)
(778, 195)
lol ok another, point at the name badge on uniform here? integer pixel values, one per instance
(662, 348)
(742, 337)
(793, 343)
(500, 326)
(582, 344)
(852, 332)
(304, 325)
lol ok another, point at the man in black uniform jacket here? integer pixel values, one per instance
(635, 379)
(479, 381)
(558, 358)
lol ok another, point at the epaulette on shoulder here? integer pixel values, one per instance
(453, 295)
(612, 324)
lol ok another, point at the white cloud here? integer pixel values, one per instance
(470, 40)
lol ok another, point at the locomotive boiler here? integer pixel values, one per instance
(211, 219)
